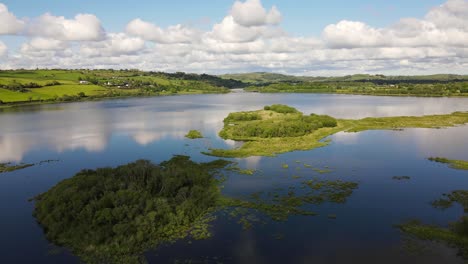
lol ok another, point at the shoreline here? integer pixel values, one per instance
(93, 99)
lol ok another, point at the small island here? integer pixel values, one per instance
(279, 128)
(114, 215)
(194, 134)
(454, 164)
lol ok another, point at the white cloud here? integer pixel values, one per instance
(84, 27)
(252, 13)
(3, 49)
(115, 44)
(151, 32)
(9, 24)
(43, 44)
(250, 38)
(352, 34)
(230, 31)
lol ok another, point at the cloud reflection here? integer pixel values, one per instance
(90, 126)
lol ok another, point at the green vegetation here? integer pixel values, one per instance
(455, 164)
(367, 88)
(261, 78)
(365, 84)
(456, 235)
(26, 86)
(113, 215)
(271, 133)
(194, 134)
(280, 204)
(8, 167)
(237, 169)
(401, 178)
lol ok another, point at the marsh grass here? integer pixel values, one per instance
(8, 167)
(456, 235)
(454, 164)
(258, 144)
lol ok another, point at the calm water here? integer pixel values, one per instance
(110, 133)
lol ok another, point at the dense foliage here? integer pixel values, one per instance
(282, 109)
(291, 123)
(194, 134)
(114, 214)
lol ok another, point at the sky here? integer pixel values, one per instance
(300, 37)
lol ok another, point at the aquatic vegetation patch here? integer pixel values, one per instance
(456, 235)
(194, 134)
(280, 204)
(273, 132)
(454, 164)
(401, 178)
(8, 167)
(239, 170)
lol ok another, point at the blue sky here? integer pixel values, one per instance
(301, 37)
(301, 17)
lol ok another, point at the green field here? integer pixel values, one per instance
(50, 92)
(27, 86)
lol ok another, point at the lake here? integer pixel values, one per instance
(115, 132)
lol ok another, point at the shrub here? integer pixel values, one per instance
(282, 109)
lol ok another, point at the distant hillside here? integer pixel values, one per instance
(266, 78)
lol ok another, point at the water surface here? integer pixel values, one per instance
(115, 132)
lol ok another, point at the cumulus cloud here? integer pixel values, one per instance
(84, 27)
(115, 44)
(42, 44)
(352, 34)
(250, 38)
(151, 32)
(3, 49)
(9, 24)
(252, 13)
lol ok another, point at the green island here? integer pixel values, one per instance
(456, 235)
(362, 84)
(194, 134)
(454, 164)
(114, 215)
(279, 128)
(22, 87)
(8, 167)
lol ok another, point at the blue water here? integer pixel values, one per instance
(115, 132)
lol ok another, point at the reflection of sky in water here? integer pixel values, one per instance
(111, 133)
(89, 126)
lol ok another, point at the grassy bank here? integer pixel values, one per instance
(23, 87)
(267, 132)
